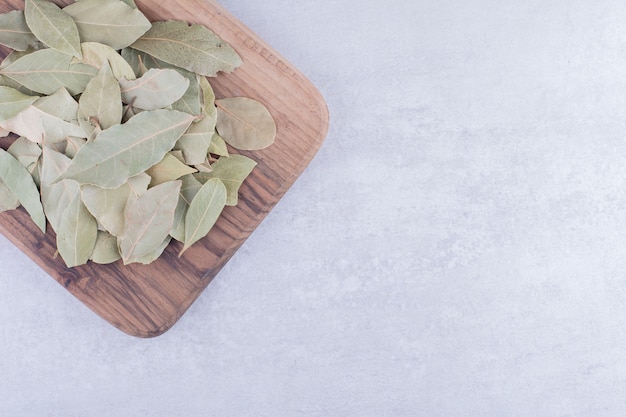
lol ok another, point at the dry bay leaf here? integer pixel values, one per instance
(77, 234)
(196, 141)
(101, 102)
(12, 103)
(26, 152)
(111, 22)
(108, 206)
(204, 211)
(188, 190)
(156, 89)
(96, 54)
(53, 26)
(169, 169)
(14, 32)
(123, 151)
(21, 183)
(232, 171)
(194, 48)
(8, 200)
(105, 251)
(245, 124)
(149, 220)
(47, 70)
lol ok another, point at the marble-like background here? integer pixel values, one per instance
(456, 248)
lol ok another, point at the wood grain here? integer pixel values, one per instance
(146, 301)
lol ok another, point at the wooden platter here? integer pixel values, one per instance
(146, 301)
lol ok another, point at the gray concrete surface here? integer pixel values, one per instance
(457, 247)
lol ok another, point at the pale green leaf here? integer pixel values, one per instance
(245, 124)
(41, 127)
(14, 32)
(196, 141)
(169, 169)
(140, 62)
(73, 145)
(21, 183)
(218, 146)
(55, 197)
(61, 104)
(46, 70)
(152, 256)
(77, 234)
(232, 171)
(156, 89)
(12, 103)
(110, 22)
(26, 152)
(188, 190)
(194, 48)
(208, 98)
(108, 206)
(123, 151)
(101, 103)
(96, 54)
(106, 251)
(149, 220)
(204, 211)
(53, 26)
(8, 200)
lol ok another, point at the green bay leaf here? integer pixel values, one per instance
(47, 70)
(204, 211)
(149, 220)
(61, 104)
(21, 183)
(188, 190)
(96, 55)
(77, 234)
(105, 251)
(156, 89)
(232, 171)
(245, 124)
(194, 48)
(123, 151)
(53, 27)
(55, 197)
(169, 169)
(101, 102)
(108, 206)
(111, 22)
(14, 32)
(12, 103)
(26, 152)
(196, 141)
(8, 200)
(141, 62)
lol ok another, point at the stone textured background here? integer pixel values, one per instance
(457, 247)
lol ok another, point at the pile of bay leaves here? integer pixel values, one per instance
(121, 144)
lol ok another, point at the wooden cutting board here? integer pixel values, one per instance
(146, 301)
